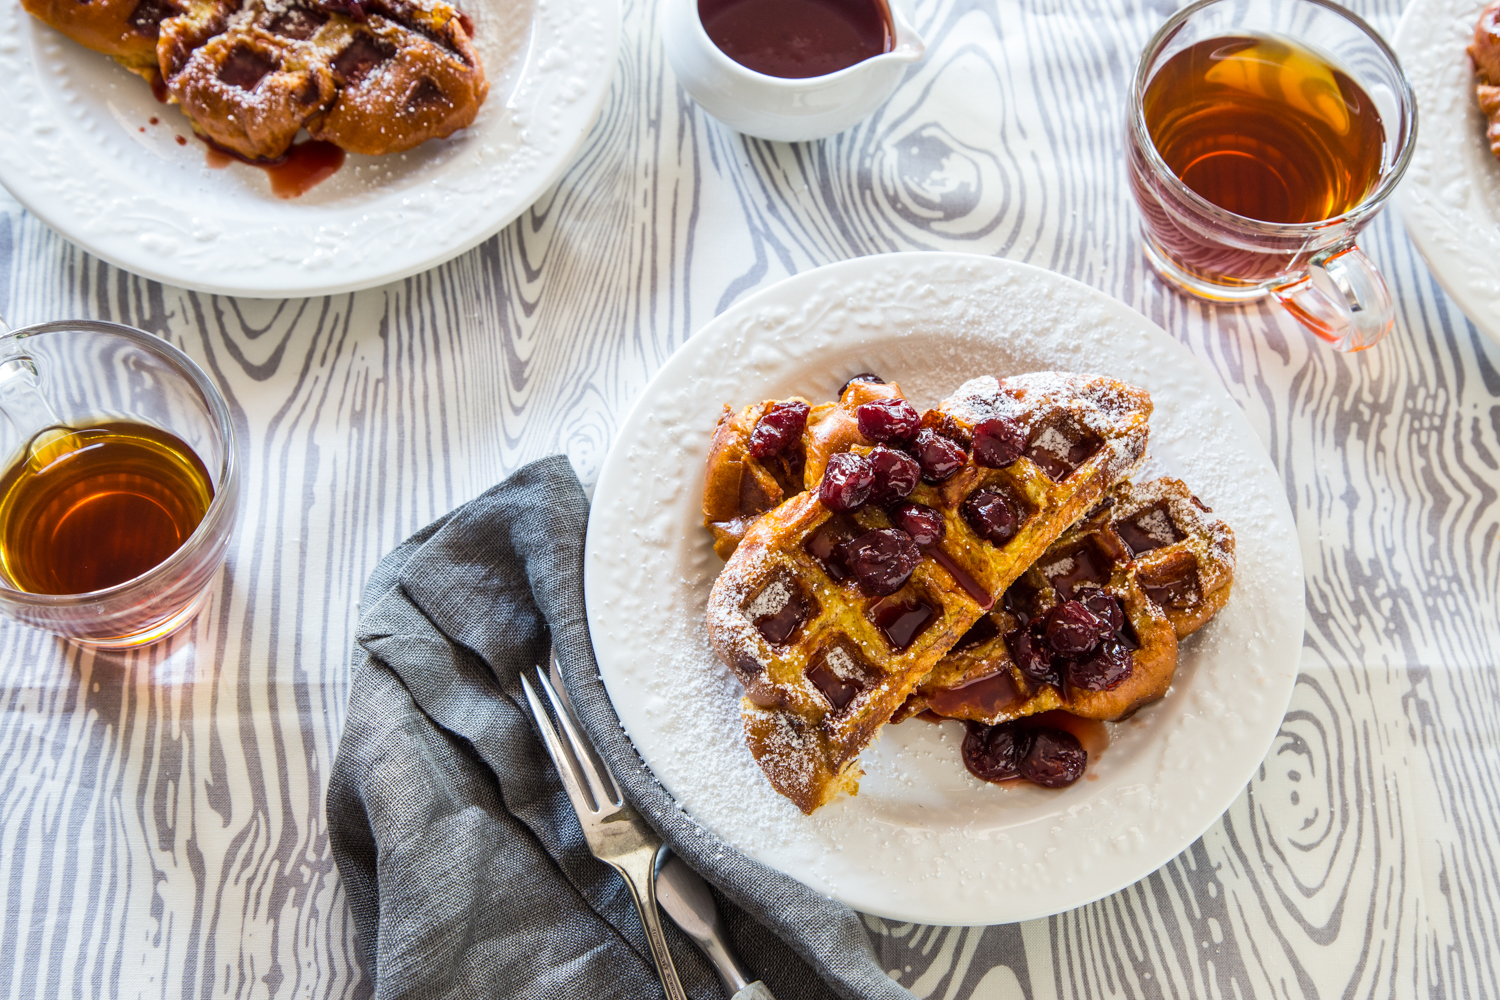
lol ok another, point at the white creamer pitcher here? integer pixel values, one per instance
(773, 107)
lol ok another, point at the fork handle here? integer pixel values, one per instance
(639, 872)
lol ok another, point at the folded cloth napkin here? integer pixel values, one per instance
(465, 867)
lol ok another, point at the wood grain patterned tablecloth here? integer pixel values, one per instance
(161, 813)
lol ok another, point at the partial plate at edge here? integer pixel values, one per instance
(82, 155)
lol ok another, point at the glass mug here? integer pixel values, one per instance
(107, 435)
(1296, 51)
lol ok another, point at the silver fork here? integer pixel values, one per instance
(615, 832)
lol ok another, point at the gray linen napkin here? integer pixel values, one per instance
(466, 870)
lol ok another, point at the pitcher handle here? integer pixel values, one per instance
(1341, 298)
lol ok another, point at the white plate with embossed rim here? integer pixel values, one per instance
(924, 841)
(1450, 197)
(82, 154)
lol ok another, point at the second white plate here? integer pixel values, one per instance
(90, 152)
(1450, 198)
(924, 841)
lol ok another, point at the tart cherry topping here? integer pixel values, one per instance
(888, 420)
(1073, 629)
(1106, 668)
(1055, 759)
(1107, 607)
(1030, 653)
(846, 481)
(870, 377)
(991, 516)
(882, 559)
(941, 457)
(923, 524)
(994, 753)
(1052, 758)
(998, 442)
(778, 429)
(896, 474)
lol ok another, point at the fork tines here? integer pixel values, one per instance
(590, 786)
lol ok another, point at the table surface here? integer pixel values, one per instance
(161, 812)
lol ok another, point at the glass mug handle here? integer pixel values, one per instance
(1341, 298)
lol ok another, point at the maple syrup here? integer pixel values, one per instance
(1265, 128)
(94, 506)
(796, 39)
(304, 167)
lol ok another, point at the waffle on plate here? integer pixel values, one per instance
(837, 603)
(1485, 51)
(369, 76)
(1150, 563)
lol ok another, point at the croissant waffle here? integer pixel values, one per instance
(370, 76)
(825, 664)
(740, 487)
(1155, 548)
(1485, 51)
(125, 29)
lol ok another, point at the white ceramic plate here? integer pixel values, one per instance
(1450, 198)
(923, 840)
(81, 153)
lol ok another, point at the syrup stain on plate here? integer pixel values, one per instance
(304, 167)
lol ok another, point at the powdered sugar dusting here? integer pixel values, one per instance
(769, 601)
(1061, 567)
(842, 664)
(1052, 441)
(923, 840)
(1157, 526)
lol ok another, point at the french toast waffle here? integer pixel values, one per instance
(1150, 561)
(749, 474)
(369, 76)
(1485, 52)
(831, 610)
(124, 29)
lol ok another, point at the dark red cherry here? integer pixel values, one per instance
(888, 420)
(778, 429)
(1073, 629)
(1105, 668)
(994, 753)
(998, 442)
(846, 481)
(991, 516)
(862, 377)
(896, 474)
(1107, 607)
(1029, 653)
(941, 457)
(1055, 759)
(923, 524)
(882, 559)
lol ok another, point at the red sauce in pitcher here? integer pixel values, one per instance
(795, 39)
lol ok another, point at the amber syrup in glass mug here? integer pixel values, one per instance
(120, 491)
(1256, 158)
(91, 507)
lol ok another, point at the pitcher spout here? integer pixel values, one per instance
(906, 44)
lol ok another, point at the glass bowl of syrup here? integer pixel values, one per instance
(789, 70)
(119, 487)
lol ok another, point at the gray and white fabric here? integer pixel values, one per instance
(464, 864)
(162, 824)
